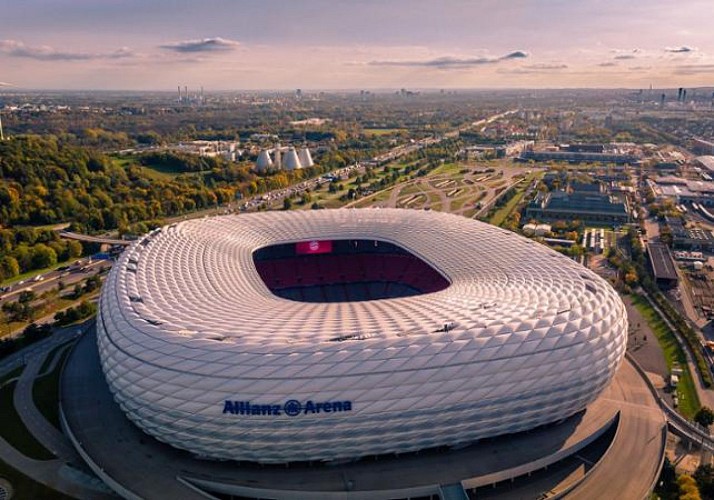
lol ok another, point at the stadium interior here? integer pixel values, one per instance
(344, 271)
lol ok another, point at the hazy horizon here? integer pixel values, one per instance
(342, 45)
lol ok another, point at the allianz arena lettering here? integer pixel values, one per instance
(291, 408)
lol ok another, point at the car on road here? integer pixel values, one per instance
(39, 277)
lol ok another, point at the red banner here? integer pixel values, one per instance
(313, 247)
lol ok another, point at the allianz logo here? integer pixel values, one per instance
(291, 408)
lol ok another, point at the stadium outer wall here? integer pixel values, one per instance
(199, 354)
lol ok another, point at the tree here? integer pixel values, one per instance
(704, 476)
(74, 249)
(9, 267)
(43, 256)
(26, 296)
(667, 484)
(287, 204)
(92, 283)
(705, 416)
(688, 488)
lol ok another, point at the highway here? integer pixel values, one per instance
(49, 279)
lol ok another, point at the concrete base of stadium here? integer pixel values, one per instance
(613, 449)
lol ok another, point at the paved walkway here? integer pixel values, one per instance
(45, 433)
(59, 474)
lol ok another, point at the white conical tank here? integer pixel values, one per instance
(263, 162)
(305, 158)
(291, 160)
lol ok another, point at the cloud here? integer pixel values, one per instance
(534, 69)
(625, 54)
(680, 50)
(546, 67)
(449, 62)
(15, 48)
(608, 64)
(694, 69)
(6, 84)
(216, 44)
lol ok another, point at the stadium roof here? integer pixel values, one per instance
(186, 323)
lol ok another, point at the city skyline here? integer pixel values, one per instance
(316, 44)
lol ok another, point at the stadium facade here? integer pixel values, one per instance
(336, 334)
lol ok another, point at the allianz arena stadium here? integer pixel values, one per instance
(336, 334)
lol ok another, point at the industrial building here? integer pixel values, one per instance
(682, 190)
(586, 202)
(703, 147)
(283, 158)
(662, 264)
(689, 238)
(579, 157)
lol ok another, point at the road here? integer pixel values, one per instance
(632, 464)
(49, 280)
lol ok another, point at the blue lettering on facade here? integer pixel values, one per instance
(291, 408)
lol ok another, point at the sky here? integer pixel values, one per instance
(355, 44)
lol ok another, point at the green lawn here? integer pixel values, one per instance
(13, 430)
(673, 354)
(45, 391)
(449, 168)
(158, 172)
(382, 131)
(503, 212)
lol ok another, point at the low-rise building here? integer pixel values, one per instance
(594, 206)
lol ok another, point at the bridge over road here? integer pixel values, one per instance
(93, 239)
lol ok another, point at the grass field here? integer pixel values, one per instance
(158, 172)
(13, 430)
(382, 131)
(673, 354)
(503, 212)
(449, 168)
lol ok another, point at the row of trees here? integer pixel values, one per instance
(83, 311)
(26, 249)
(43, 181)
(672, 486)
